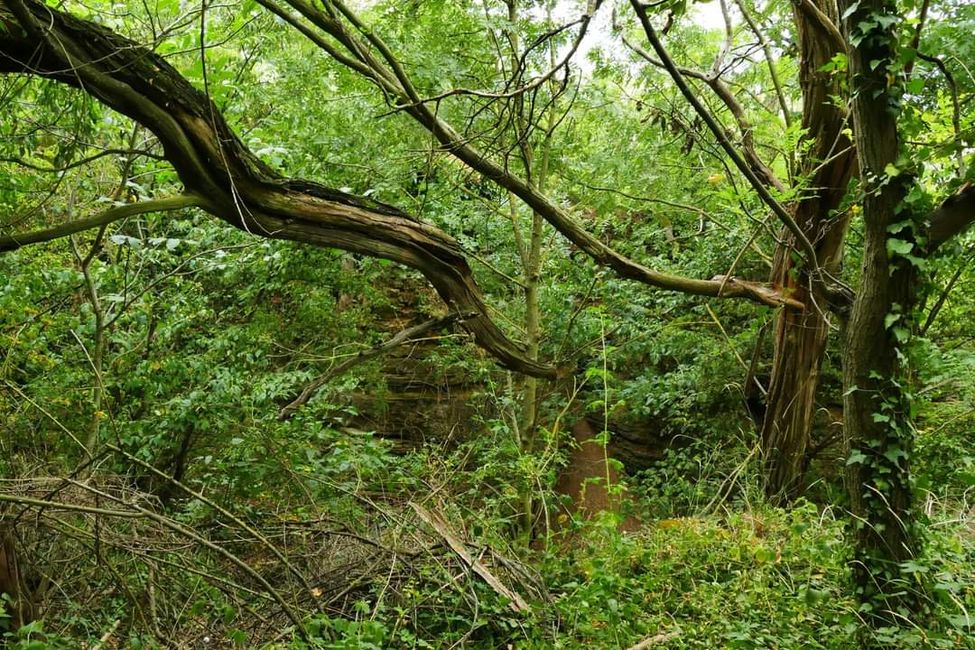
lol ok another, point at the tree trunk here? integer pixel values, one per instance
(878, 429)
(18, 604)
(800, 342)
(801, 334)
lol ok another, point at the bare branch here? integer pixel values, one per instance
(943, 296)
(168, 204)
(758, 166)
(769, 60)
(807, 248)
(535, 83)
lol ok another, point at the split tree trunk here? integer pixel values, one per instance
(801, 334)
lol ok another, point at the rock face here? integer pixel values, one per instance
(422, 403)
(589, 477)
(426, 401)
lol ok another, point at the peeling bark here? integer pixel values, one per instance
(801, 335)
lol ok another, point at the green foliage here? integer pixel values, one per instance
(211, 331)
(763, 579)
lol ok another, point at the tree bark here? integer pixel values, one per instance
(878, 428)
(801, 334)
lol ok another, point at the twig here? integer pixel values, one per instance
(656, 639)
(108, 634)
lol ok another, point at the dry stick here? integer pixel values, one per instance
(108, 635)
(223, 511)
(517, 603)
(402, 337)
(55, 505)
(940, 302)
(216, 548)
(656, 639)
(230, 584)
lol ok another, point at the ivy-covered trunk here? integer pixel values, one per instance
(801, 334)
(877, 403)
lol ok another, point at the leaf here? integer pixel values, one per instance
(857, 457)
(893, 454)
(899, 247)
(851, 10)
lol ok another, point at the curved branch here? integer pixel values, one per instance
(13, 242)
(955, 103)
(227, 179)
(832, 288)
(394, 81)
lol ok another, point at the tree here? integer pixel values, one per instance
(821, 170)
(223, 177)
(899, 235)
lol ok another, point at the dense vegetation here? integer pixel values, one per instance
(514, 323)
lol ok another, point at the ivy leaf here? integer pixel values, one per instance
(857, 457)
(894, 453)
(849, 11)
(899, 247)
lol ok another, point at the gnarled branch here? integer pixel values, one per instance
(371, 57)
(226, 178)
